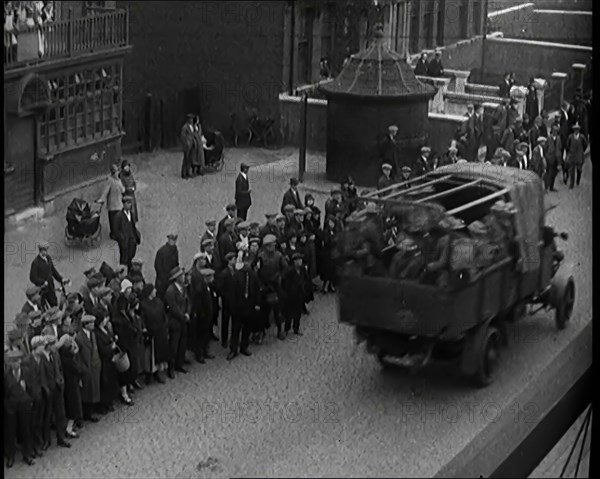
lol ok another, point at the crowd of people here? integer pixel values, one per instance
(22, 16)
(73, 355)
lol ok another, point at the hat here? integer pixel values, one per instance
(72, 297)
(53, 314)
(243, 225)
(37, 341)
(44, 245)
(14, 354)
(335, 190)
(32, 291)
(207, 272)
(244, 166)
(519, 119)
(425, 149)
(103, 291)
(541, 139)
(120, 269)
(125, 284)
(229, 256)
(136, 278)
(88, 318)
(294, 182)
(125, 163)
(299, 211)
(271, 215)
(451, 223)
(136, 261)
(176, 273)
(269, 239)
(147, 290)
(73, 308)
(33, 315)
(230, 207)
(90, 272)
(386, 166)
(23, 319)
(210, 222)
(207, 242)
(199, 255)
(392, 128)
(280, 217)
(172, 236)
(523, 144)
(50, 338)
(308, 210)
(406, 169)
(407, 244)
(254, 239)
(478, 228)
(228, 222)
(127, 199)
(576, 126)
(190, 116)
(289, 207)
(254, 224)
(296, 256)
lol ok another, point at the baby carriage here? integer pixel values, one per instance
(83, 225)
(214, 155)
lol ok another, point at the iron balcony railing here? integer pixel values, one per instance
(67, 38)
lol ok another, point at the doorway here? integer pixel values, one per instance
(19, 167)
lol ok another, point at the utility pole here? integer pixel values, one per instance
(483, 41)
(303, 120)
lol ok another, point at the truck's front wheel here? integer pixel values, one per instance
(489, 357)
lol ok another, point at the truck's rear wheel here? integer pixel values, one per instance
(489, 357)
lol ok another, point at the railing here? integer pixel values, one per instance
(68, 38)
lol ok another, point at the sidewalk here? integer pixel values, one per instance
(165, 203)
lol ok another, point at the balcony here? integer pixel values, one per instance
(67, 39)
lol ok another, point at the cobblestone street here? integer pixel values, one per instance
(311, 406)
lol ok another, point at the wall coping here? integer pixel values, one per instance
(435, 80)
(285, 97)
(538, 43)
(559, 76)
(510, 9)
(563, 12)
(446, 116)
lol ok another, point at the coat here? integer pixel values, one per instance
(109, 377)
(422, 67)
(534, 134)
(14, 393)
(554, 152)
(221, 226)
(155, 318)
(384, 182)
(126, 328)
(328, 266)
(296, 286)
(90, 358)
(186, 137)
(113, 194)
(44, 271)
(291, 198)
(246, 290)
(167, 258)
(532, 107)
(501, 117)
(242, 193)
(177, 306)
(435, 69)
(511, 116)
(538, 161)
(421, 167)
(504, 89)
(224, 286)
(390, 153)
(226, 245)
(576, 149)
(125, 231)
(74, 372)
(128, 182)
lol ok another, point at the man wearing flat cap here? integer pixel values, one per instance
(228, 239)
(91, 299)
(167, 258)
(270, 228)
(187, 144)
(422, 165)
(538, 158)
(210, 233)
(334, 206)
(554, 156)
(385, 180)
(576, 145)
(230, 213)
(243, 199)
(212, 258)
(388, 149)
(270, 272)
(90, 357)
(246, 292)
(177, 306)
(295, 284)
(33, 299)
(126, 233)
(436, 69)
(291, 196)
(43, 273)
(224, 287)
(472, 132)
(202, 312)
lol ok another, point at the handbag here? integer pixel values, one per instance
(121, 360)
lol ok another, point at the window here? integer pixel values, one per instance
(440, 23)
(305, 46)
(85, 106)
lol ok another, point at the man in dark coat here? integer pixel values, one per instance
(178, 313)
(472, 132)
(295, 283)
(246, 290)
(126, 233)
(224, 287)
(291, 196)
(422, 165)
(422, 66)
(536, 131)
(167, 258)
(242, 192)
(538, 160)
(187, 144)
(385, 180)
(436, 69)
(90, 358)
(227, 240)
(18, 404)
(210, 233)
(334, 206)
(576, 146)
(202, 302)
(493, 143)
(500, 116)
(388, 149)
(512, 113)
(230, 210)
(270, 228)
(505, 86)
(34, 299)
(43, 273)
(554, 155)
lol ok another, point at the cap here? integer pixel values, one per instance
(172, 236)
(243, 225)
(127, 199)
(296, 256)
(87, 318)
(308, 210)
(37, 341)
(425, 149)
(126, 284)
(207, 242)
(280, 217)
(190, 116)
(254, 224)
(94, 282)
(294, 181)
(197, 256)
(270, 215)
(299, 212)
(90, 272)
(103, 291)
(269, 239)
(176, 273)
(44, 245)
(31, 291)
(14, 355)
(53, 315)
(207, 272)
(254, 239)
(576, 126)
(230, 207)
(406, 169)
(336, 190)
(392, 128)
(147, 290)
(541, 139)
(210, 222)
(244, 166)
(229, 221)
(136, 261)
(386, 166)
(289, 207)
(33, 315)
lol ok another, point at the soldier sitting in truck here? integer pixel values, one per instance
(438, 269)
(408, 263)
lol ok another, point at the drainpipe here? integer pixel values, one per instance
(292, 35)
(485, 24)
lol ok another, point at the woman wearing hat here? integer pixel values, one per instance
(291, 244)
(110, 387)
(113, 196)
(128, 181)
(328, 266)
(152, 310)
(73, 372)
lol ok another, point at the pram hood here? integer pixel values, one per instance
(78, 210)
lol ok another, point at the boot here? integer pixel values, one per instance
(158, 377)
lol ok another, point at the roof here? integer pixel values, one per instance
(377, 72)
(501, 176)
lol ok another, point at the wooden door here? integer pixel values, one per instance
(19, 170)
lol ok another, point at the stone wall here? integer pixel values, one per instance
(573, 28)
(512, 20)
(536, 59)
(211, 58)
(441, 131)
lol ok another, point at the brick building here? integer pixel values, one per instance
(63, 85)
